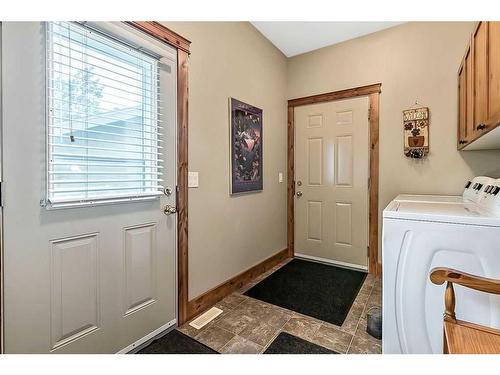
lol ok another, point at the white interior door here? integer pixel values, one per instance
(89, 279)
(331, 177)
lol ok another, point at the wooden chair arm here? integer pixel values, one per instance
(460, 336)
(440, 275)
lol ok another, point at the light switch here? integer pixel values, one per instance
(193, 179)
(280, 177)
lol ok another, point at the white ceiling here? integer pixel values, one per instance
(294, 38)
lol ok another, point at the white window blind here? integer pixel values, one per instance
(103, 118)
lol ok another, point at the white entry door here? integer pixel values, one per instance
(331, 181)
(89, 255)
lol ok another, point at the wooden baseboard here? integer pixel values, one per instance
(199, 304)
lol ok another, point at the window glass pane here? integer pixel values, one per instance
(103, 121)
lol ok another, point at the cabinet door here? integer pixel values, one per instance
(494, 71)
(462, 106)
(469, 97)
(480, 57)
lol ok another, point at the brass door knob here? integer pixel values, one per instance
(299, 194)
(169, 210)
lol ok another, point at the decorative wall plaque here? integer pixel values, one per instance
(416, 132)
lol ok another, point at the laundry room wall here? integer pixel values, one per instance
(229, 234)
(417, 60)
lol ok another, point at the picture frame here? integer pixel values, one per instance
(246, 147)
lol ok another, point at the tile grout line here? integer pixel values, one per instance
(235, 334)
(274, 338)
(361, 316)
(245, 299)
(231, 339)
(214, 321)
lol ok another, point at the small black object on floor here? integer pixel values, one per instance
(175, 342)
(315, 289)
(286, 343)
(374, 322)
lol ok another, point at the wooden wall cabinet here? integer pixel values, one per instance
(479, 90)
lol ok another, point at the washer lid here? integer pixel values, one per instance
(464, 213)
(429, 198)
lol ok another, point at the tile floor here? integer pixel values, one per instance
(248, 326)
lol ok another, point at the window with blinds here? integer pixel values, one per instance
(103, 118)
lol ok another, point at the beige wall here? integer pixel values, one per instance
(412, 61)
(230, 234)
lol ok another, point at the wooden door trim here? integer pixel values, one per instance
(182, 186)
(336, 95)
(165, 35)
(373, 92)
(162, 33)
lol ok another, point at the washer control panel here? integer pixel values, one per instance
(485, 191)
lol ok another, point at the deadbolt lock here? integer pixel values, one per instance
(299, 183)
(167, 191)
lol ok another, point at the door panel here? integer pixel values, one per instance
(343, 223)
(78, 280)
(315, 159)
(74, 288)
(469, 101)
(140, 259)
(480, 57)
(462, 99)
(314, 220)
(331, 161)
(343, 165)
(494, 69)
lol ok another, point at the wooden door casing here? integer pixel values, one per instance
(373, 92)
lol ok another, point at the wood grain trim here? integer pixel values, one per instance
(336, 95)
(373, 187)
(182, 185)
(440, 275)
(291, 183)
(469, 338)
(459, 130)
(158, 31)
(208, 299)
(478, 327)
(373, 91)
(462, 337)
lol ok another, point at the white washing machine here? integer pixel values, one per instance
(422, 232)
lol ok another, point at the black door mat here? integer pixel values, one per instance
(286, 343)
(318, 290)
(175, 342)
